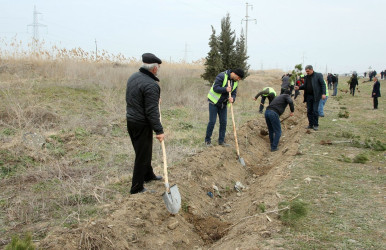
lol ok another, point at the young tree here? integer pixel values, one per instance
(213, 64)
(227, 43)
(241, 55)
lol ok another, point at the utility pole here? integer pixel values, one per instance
(36, 25)
(186, 53)
(246, 20)
(96, 50)
(303, 60)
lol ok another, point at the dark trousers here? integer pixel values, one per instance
(297, 92)
(221, 111)
(352, 91)
(263, 101)
(329, 85)
(375, 102)
(274, 128)
(142, 140)
(312, 111)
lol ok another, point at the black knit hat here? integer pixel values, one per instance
(150, 58)
(238, 72)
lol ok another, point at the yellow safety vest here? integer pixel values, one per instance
(214, 96)
(271, 90)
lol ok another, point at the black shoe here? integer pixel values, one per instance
(309, 127)
(260, 111)
(208, 143)
(142, 191)
(156, 178)
(273, 150)
(224, 144)
(316, 128)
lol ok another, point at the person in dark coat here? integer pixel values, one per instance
(314, 89)
(272, 114)
(376, 92)
(329, 81)
(143, 117)
(353, 83)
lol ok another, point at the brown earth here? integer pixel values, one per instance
(233, 219)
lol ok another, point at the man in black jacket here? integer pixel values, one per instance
(142, 115)
(272, 114)
(376, 92)
(314, 90)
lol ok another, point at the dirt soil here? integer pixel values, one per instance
(228, 220)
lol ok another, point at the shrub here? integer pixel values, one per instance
(344, 114)
(361, 158)
(297, 209)
(21, 244)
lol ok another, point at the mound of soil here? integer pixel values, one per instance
(227, 219)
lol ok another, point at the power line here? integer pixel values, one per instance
(36, 25)
(246, 20)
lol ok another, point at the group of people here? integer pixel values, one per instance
(143, 113)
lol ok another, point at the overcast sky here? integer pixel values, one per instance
(340, 35)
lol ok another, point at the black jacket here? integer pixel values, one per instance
(376, 90)
(353, 82)
(318, 86)
(280, 103)
(142, 100)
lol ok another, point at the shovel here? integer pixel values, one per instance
(241, 160)
(172, 197)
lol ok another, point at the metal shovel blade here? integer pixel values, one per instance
(241, 160)
(172, 199)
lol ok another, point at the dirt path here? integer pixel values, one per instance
(232, 220)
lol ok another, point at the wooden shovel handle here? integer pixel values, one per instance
(164, 156)
(233, 121)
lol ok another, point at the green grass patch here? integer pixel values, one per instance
(24, 243)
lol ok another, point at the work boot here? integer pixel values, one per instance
(224, 144)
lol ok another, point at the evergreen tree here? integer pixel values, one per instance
(213, 64)
(227, 43)
(241, 55)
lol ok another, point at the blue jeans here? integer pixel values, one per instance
(222, 114)
(335, 88)
(312, 111)
(274, 128)
(321, 106)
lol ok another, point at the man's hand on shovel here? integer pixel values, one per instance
(160, 137)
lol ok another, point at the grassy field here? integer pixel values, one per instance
(65, 154)
(342, 182)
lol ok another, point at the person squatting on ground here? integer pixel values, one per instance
(323, 102)
(143, 117)
(353, 83)
(272, 117)
(218, 98)
(376, 92)
(314, 89)
(267, 92)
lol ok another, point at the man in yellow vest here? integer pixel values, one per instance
(267, 92)
(218, 98)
